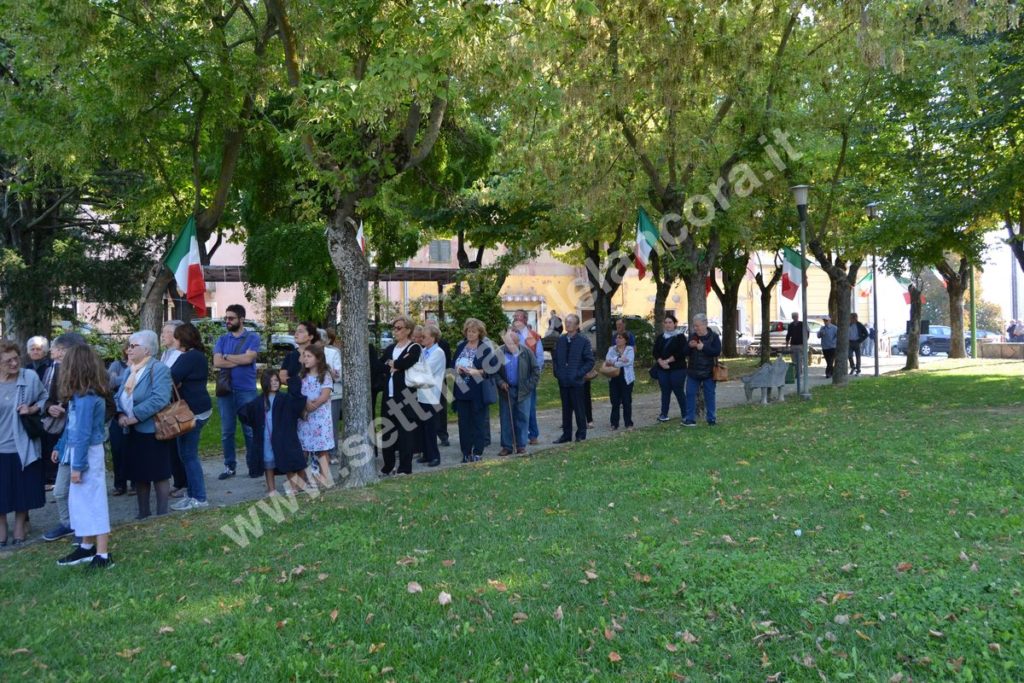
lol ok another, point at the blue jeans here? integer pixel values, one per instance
(709, 399)
(188, 452)
(228, 407)
(514, 416)
(533, 431)
(671, 382)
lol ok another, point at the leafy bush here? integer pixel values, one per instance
(482, 301)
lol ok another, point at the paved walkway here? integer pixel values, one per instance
(241, 488)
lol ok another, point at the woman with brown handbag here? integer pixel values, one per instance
(190, 373)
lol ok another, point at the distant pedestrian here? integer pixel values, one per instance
(620, 328)
(795, 339)
(234, 356)
(190, 374)
(532, 341)
(858, 335)
(573, 359)
(704, 348)
(169, 356)
(828, 334)
(516, 380)
(38, 360)
(554, 325)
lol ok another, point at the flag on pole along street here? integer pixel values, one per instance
(939, 276)
(865, 284)
(790, 273)
(905, 284)
(183, 261)
(361, 238)
(646, 239)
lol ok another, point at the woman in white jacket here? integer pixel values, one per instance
(429, 395)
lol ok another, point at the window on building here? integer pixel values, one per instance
(440, 251)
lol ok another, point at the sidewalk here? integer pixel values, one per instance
(241, 488)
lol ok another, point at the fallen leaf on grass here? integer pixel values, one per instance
(614, 657)
(904, 567)
(444, 598)
(590, 575)
(642, 578)
(728, 539)
(406, 561)
(848, 567)
(497, 585)
(842, 595)
(896, 678)
(129, 653)
(21, 651)
(519, 617)
(281, 624)
(448, 563)
(678, 677)
(995, 648)
(239, 657)
(774, 678)
(862, 636)
(298, 571)
(376, 647)
(936, 634)
(689, 638)
(842, 619)
(964, 557)
(322, 576)
(609, 634)
(671, 647)
(165, 629)
(558, 613)
(334, 615)
(413, 587)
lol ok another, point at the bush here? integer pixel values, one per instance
(482, 301)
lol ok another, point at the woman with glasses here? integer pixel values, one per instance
(398, 412)
(475, 364)
(21, 466)
(145, 392)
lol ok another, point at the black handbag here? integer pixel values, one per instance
(32, 423)
(223, 378)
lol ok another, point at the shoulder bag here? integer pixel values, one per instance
(32, 423)
(175, 419)
(719, 373)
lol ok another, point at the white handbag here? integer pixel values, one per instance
(419, 375)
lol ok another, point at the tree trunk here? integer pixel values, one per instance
(662, 287)
(605, 278)
(957, 281)
(696, 282)
(356, 452)
(733, 264)
(766, 312)
(841, 370)
(152, 315)
(914, 336)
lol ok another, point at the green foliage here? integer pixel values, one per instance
(478, 298)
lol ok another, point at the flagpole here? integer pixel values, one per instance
(800, 195)
(872, 211)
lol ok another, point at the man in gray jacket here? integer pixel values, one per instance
(828, 334)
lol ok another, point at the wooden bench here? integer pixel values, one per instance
(767, 377)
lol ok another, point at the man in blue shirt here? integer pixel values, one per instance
(235, 353)
(532, 341)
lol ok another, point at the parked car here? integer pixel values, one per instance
(938, 340)
(777, 329)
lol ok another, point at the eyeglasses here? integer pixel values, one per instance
(230, 318)
(12, 359)
(398, 327)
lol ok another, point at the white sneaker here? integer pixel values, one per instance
(186, 504)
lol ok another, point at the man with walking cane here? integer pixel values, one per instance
(516, 380)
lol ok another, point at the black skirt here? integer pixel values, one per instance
(146, 458)
(20, 489)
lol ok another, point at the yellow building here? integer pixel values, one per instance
(546, 284)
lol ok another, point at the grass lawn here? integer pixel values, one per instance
(659, 555)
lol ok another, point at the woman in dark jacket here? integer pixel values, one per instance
(703, 349)
(670, 366)
(399, 413)
(474, 390)
(190, 373)
(274, 419)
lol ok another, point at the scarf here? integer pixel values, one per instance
(133, 377)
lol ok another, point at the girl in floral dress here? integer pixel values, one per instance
(315, 431)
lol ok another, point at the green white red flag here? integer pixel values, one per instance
(791, 273)
(646, 239)
(183, 261)
(865, 284)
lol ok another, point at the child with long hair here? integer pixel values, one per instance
(274, 419)
(84, 383)
(315, 431)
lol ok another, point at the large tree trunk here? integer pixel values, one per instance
(152, 313)
(605, 278)
(356, 452)
(842, 289)
(957, 281)
(696, 282)
(662, 286)
(766, 310)
(733, 264)
(914, 335)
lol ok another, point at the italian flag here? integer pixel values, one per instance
(790, 273)
(183, 261)
(646, 238)
(865, 284)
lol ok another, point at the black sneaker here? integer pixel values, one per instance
(77, 556)
(101, 562)
(688, 423)
(226, 474)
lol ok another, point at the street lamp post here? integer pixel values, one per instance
(800, 195)
(872, 211)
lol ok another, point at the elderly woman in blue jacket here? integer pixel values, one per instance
(145, 392)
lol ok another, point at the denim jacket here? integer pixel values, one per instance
(86, 427)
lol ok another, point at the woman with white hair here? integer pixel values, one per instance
(38, 349)
(145, 391)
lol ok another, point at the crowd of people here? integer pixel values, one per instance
(1015, 332)
(59, 405)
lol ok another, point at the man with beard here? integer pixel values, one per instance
(234, 356)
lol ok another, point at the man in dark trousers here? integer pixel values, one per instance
(795, 341)
(573, 359)
(858, 334)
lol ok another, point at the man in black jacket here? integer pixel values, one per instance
(573, 359)
(795, 338)
(858, 333)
